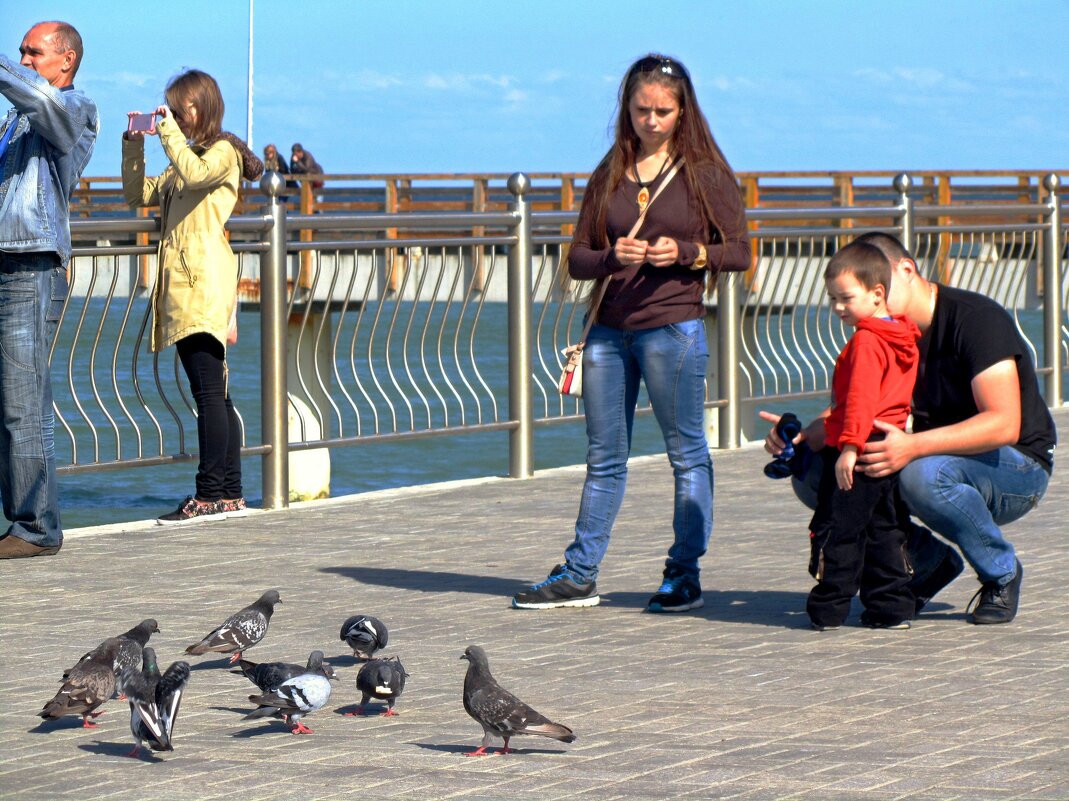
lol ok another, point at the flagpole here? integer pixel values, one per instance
(248, 136)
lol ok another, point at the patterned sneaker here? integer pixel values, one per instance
(234, 507)
(678, 593)
(560, 589)
(191, 510)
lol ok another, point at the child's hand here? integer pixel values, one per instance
(844, 468)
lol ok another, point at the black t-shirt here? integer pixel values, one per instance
(968, 334)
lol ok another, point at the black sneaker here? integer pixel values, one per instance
(874, 621)
(995, 604)
(948, 570)
(191, 510)
(560, 589)
(679, 592)
(822, 627)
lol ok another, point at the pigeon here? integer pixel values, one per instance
(365, 635)
(154, 701)
(499, 712)
(241, 630)
(87, 685)
(269, 675)
(383, 679)
(293, 699)
(130, 645)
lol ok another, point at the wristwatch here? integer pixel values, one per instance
(701, 260)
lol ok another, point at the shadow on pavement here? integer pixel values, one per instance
(121, 750)
(432, 580)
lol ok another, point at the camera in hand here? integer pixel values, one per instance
(142, 123)
(793, 460)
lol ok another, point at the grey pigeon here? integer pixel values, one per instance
(269, 675)
(130, 644)
(241, 630)
(383, 679)
(87, 685)
(499, 712)
(293, 699)
(365, 635)
(154, 701)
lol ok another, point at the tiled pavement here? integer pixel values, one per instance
(737, 700)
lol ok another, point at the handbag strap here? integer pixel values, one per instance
(634, 230)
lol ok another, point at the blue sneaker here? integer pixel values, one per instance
(560, 589)
(678, 593)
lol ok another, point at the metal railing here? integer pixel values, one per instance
(376, 338)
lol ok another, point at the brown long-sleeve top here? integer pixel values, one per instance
(644, 296)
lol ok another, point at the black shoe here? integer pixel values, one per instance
(995, 604)
(560, 589)
(926, 589)
(874, 621)
(679, 592)
(822, 627)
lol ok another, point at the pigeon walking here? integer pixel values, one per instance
(365, 635)
(130, 644)
(154, 701)
(293, 699)
(268, 676)
(499, 712)
(241, 630)
(383, 679)
(86, 686)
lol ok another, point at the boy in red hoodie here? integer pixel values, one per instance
(857, 540)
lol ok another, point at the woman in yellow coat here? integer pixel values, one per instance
(195, 292)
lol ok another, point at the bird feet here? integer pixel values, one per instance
(235, 657)
(358, 711)
(389, 713)
(137, 749)
(300, 728)
(480, 751)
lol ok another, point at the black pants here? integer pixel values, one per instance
(858, 543)
(218, 427)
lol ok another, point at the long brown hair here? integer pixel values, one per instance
(693, 140)
(200, 89)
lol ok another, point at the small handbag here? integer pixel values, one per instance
(571, 377)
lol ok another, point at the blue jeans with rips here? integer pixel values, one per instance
(671, 360)
(965, 499)
(33, 287)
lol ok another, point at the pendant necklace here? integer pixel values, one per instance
(644, 187)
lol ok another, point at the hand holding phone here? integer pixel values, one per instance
(142, 123)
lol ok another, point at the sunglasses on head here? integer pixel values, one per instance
(662, 64)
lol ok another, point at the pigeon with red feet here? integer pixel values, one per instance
(293, 699)
(383, 679)
(86, 686)
(268, 676)
(365, 635)
(501, 714)
(154, 701)
(241, 630)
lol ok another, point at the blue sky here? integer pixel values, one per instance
(455, 86)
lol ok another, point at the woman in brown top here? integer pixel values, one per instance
(649, 324)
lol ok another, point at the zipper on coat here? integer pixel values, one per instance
(189, 273)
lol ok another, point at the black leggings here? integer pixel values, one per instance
(218, 428)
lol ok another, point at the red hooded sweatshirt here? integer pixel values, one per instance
(874, 377)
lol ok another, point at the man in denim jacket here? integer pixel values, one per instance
(45, 143)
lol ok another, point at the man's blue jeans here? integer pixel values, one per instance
(965, 499)
(671, 360)
(33, 287)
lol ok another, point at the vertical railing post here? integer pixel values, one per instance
(274, 410)
(728, 340)
(902, 184)
(1052, 292)
(521, 405)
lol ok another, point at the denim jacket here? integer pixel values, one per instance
(51, 144)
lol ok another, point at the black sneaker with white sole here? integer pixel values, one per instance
(559, 589)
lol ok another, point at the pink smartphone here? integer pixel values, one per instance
(143, 123)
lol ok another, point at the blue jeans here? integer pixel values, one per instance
(965, 499)
(33, 287)
(671, 360)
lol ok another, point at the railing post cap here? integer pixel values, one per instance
(519, 183)
(272, 184)
(902, 182)
(1051, 181)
